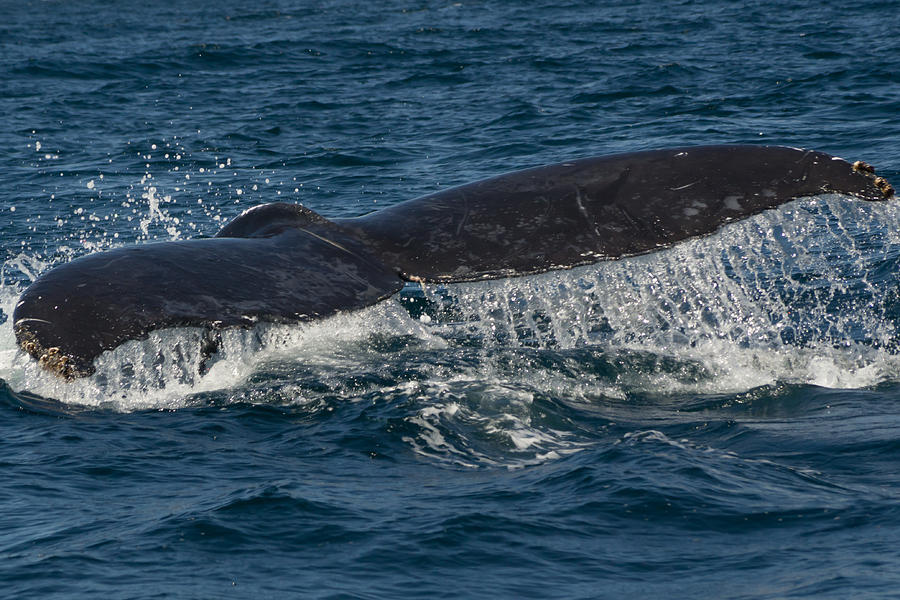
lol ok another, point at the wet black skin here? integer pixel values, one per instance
(285, 263)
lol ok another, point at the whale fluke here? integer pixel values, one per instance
(579, 212)
(285, 263)
(77, 311)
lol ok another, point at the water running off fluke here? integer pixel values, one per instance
(283, 263)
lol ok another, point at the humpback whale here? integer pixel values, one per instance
(285, 263)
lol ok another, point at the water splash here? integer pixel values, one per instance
(812, 284)
(805, 294)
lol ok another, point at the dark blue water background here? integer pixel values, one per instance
(720, 420)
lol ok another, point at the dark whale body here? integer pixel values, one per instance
(285, 263)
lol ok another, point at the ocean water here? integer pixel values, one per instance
(717, 420)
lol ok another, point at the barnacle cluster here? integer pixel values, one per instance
(887, 190)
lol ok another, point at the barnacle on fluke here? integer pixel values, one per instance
(49, 358)
(863, 167)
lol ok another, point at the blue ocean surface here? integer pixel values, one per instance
(717, 420)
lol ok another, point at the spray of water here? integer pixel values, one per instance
(807, 293)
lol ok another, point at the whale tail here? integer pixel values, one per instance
(78, 310)
(285, 263)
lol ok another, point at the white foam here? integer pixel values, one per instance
(787, 296)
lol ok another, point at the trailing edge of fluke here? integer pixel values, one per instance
(285, 263)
